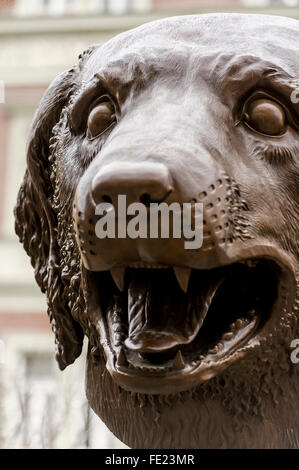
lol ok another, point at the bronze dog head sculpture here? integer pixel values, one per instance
(187, 348)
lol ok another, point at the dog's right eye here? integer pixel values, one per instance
(101, 117)
(266, 116)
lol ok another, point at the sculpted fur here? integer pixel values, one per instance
(187, 348)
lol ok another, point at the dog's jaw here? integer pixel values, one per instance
(141, 360)
(239, 393)
(240, 408)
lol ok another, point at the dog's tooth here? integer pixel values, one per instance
(178, 362)
(118, 337)
(213, 350)
(95, 351)
(239, 323)
(118, 275)
(228, 336)
(117, 328)
(115, 318)
(251, 263)
(182, 276)
(121, 359)
(95, 354)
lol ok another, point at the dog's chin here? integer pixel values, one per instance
(237, 408)
(158, 338)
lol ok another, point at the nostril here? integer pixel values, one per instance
(145, 182)
(107, 198)
(145, 199)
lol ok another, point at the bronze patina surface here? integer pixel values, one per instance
(187, 348)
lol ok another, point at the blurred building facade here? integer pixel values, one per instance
(85, 7)
(40, 406)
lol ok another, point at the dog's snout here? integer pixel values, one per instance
(140, 182)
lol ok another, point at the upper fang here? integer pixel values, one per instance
(183, 276)
(118, 275)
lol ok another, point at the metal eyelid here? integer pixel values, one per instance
(278, 136)
(99, 100)
(101, 133)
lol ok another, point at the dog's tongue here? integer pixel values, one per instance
(160, 315)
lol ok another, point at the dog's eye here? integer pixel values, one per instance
(266, 116)
(100, 118)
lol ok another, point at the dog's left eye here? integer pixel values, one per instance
(100, 118)
(265, 115)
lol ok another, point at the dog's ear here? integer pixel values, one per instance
(36, 222)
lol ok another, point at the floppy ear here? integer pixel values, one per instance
(36, 222)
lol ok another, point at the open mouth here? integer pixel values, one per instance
(167, 329)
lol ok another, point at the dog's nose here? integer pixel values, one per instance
(145, 182)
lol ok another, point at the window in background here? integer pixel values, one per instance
(75, 7)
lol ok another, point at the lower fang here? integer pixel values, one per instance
(178, 362)
(95, 353)
(121, 359)
(228, 336)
